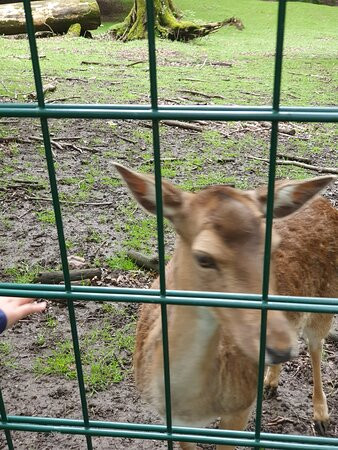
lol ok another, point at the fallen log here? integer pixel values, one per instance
(75, 275)
(56, 16)
(143, 261)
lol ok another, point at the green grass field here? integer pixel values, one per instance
(308, 75)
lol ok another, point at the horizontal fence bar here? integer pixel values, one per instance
(162, 429)
(189, 298)
(202, 108)
(146, 113)
(169, 293)
(158, 432)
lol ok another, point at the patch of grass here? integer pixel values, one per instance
(47, 216)
(23, 273)
(5, 223)
(140, 234)
(103, 219)
(6, 356)
(114, 309)
(60, 362)
(202, 181)
(6, 170)
(121, 261)
(5, 348)
(293, 172)
(69, 244)
(111, 181)
(40, 339)
(213, 138)
(144, 134)
(103, 354)
(70, 180)
(94, 236)
(51, 322)
(14, 149)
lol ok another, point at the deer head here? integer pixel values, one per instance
(220, 247)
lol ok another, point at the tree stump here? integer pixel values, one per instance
(168, 24)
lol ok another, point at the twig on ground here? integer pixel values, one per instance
(191, 79)
(124, 138)
(201, 94)
(298, 164)
(279, 420)
(46, 199)
(53, 141)
(12, 139)
(204, 62)
(184, 125)
(220, 63)
(5, 87)
(40, 139)
(25, 213)
(175, 123)
(68, 138)
(250, 93)
(81, 80)
(61, 99)
(80, 149)
(9, 121)
(294, 158)
(22, 185)
(136, 62)
(98, 63)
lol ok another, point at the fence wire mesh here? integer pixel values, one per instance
(155, 112)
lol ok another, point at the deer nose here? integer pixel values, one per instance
(274, 356)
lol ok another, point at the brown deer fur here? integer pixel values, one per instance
(220, 245)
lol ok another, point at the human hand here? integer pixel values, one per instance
(16, 308)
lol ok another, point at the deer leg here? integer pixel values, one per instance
(317, 329)
(271, 380)
(320, 412)
(237, 421)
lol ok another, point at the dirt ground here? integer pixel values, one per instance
(26, 242)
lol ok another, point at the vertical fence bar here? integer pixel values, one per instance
(269, 210)
(159, 211)
(3, 416)
(57, 212)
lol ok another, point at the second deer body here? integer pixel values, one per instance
(220, 245)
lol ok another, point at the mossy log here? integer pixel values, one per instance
(75, 275)
(56, 16)
(168, 23)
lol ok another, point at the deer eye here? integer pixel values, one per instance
(204, 260)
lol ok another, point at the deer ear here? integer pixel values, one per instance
(143, 189)
(292, 195)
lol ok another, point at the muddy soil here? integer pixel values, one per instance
(26, 241)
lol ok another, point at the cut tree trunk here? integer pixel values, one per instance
(167, 23)
(56, 16)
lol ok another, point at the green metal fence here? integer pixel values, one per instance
(275, 114)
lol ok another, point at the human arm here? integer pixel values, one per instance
(16, 308)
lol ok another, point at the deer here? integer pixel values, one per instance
(214, 351)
